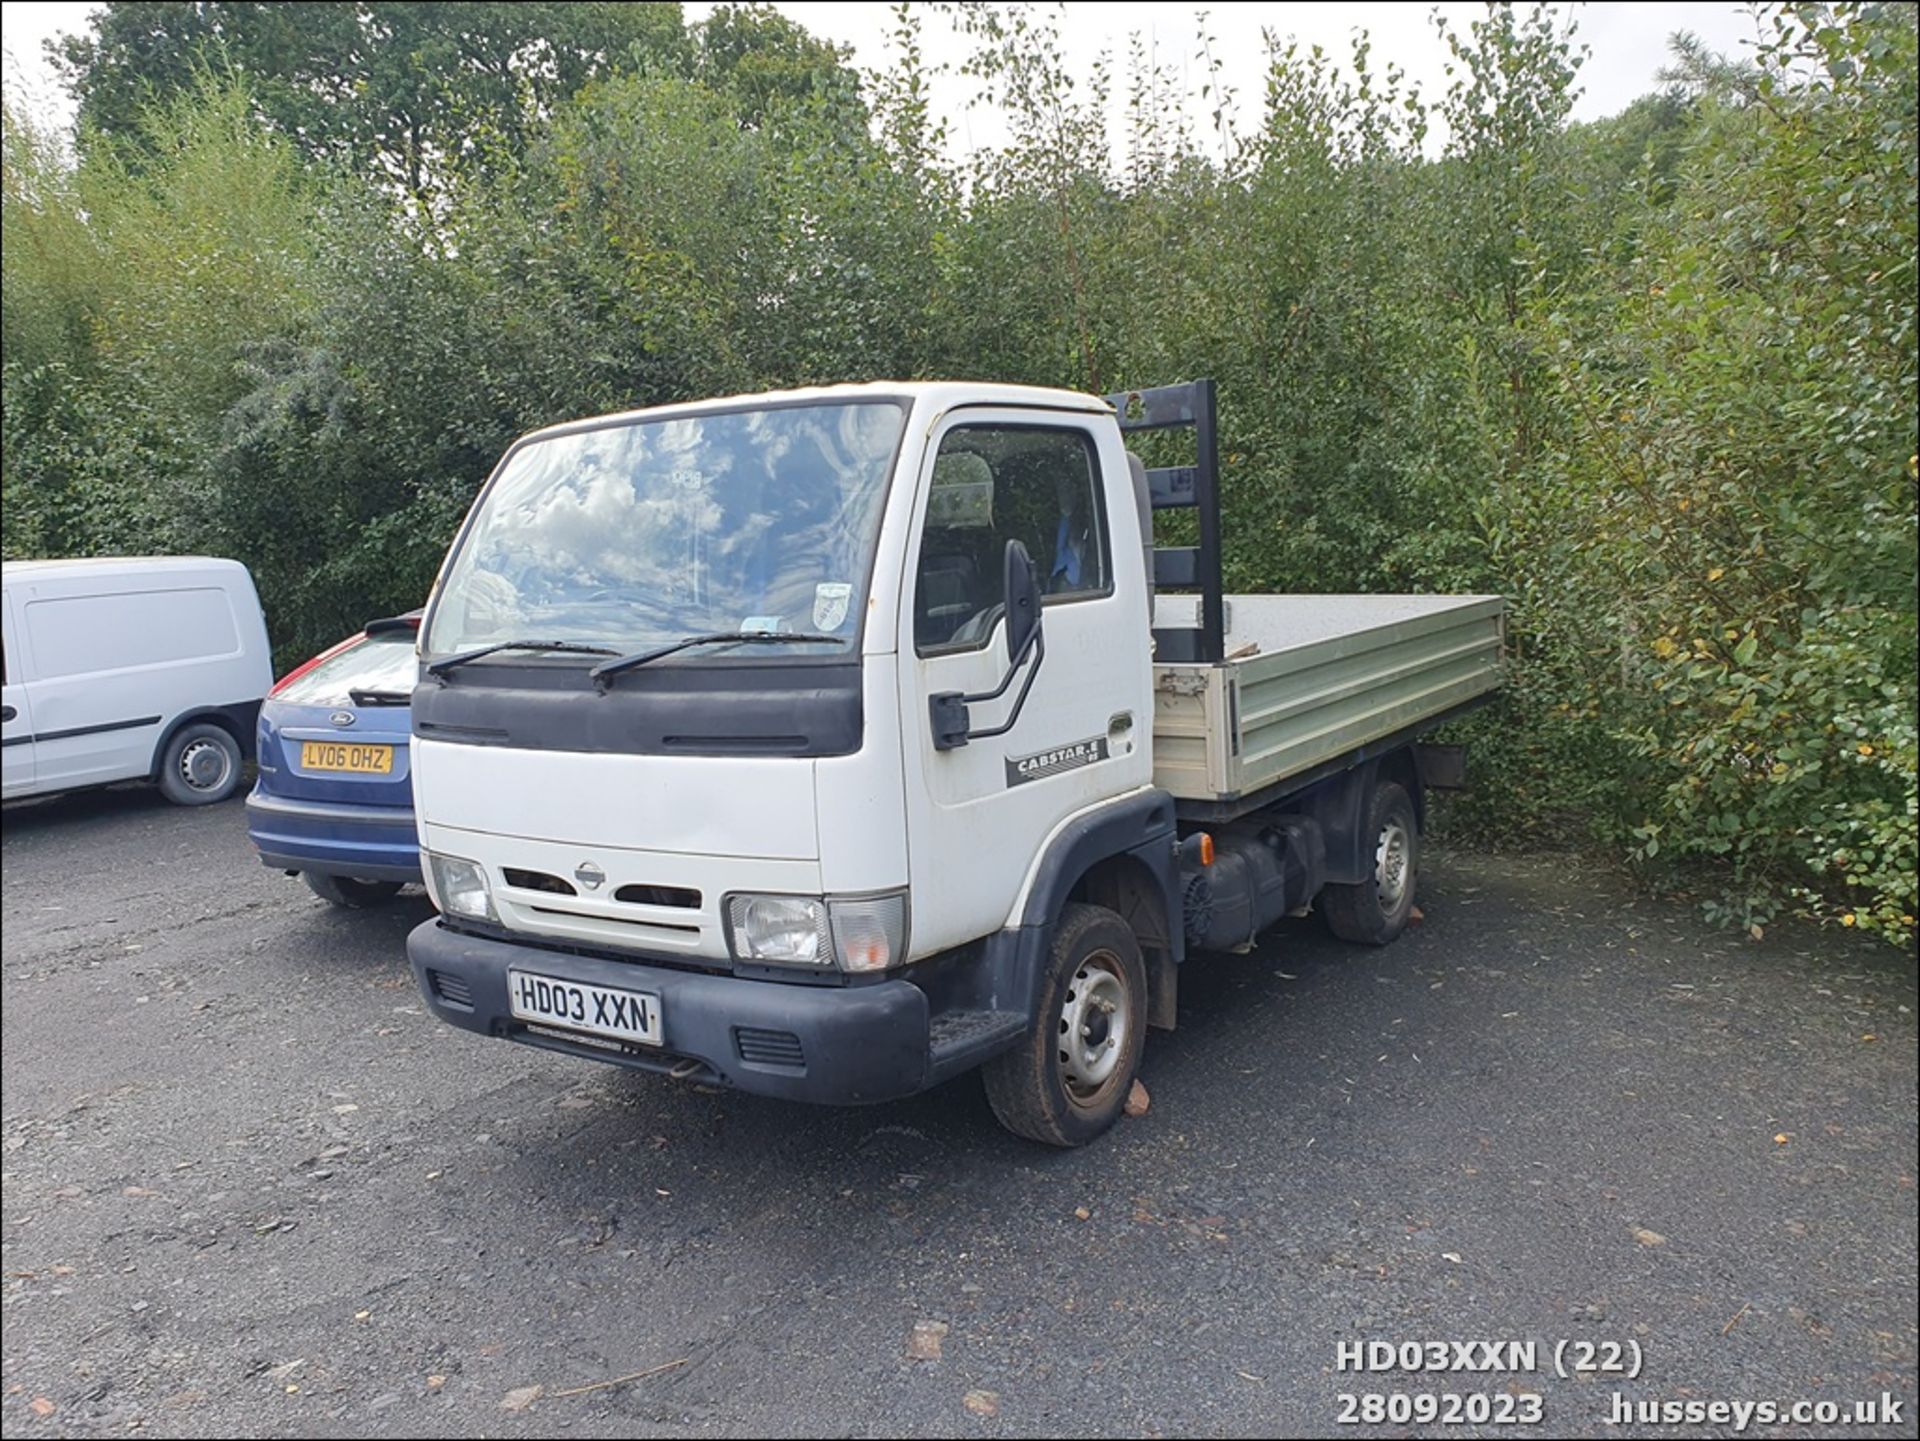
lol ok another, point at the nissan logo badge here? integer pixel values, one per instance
(589, 875)
(343, 717)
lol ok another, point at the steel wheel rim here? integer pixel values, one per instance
(1392, 865)
(205, 765)
(1095, 1020)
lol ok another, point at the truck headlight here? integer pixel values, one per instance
(866, 933)
(790, 930)
(460, 887)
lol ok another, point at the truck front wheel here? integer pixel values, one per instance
(1065, 1083)
(1375, 911)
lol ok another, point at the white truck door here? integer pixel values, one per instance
(16, 716)
(979, 813)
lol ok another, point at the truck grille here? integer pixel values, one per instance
(538, 881)
(769, 1048)
(633, 923)
(620, 900)
(683, 896)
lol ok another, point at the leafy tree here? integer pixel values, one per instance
(1724, 528)
(757, 56)
(401, 87)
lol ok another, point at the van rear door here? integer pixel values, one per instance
(16, 716)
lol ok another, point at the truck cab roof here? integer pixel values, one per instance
(940, 395)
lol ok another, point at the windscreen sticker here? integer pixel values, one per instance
(830, 600)
(1021, 769)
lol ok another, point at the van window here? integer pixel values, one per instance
(74, 635)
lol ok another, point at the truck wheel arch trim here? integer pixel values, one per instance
(1139, 826)
(1135, 890)
(1342, 804)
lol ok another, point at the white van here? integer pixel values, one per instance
(126, 669)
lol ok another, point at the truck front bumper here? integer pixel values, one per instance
(833, 1045)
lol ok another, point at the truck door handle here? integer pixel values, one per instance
(8, 713)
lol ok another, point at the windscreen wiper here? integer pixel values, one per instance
(447, 663)
(379, 697)
(602, 674)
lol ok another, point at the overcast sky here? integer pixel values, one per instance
(1628, 41)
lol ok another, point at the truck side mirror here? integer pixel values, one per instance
(1023, 602)
(952, 724)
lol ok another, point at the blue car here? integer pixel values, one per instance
(334, 800)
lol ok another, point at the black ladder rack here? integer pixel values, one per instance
(1196, 486)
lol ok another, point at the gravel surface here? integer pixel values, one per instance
(252, 1188)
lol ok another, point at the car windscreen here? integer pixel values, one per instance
(376, 663)
(638, 534)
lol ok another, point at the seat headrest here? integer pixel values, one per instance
(961, 467)
(962, 494)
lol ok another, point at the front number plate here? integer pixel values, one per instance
(599, 1010)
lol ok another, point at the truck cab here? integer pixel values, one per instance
(805, 743)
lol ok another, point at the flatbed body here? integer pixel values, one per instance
(1311, 679)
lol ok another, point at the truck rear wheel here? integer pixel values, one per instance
(1375, 911)
(1065, 1083)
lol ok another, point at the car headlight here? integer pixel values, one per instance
(460, 887)
(867, 933)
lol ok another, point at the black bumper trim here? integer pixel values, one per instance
(284, 808)
(861, 1043)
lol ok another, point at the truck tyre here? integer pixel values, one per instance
(1375, 911)
(346, 891)
(1065, 1083)
(199, 765)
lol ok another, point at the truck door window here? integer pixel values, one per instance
(991, 484)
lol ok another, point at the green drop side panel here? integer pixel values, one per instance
(1310, 678)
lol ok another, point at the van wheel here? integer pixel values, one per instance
(1066, 1082)
(1375, 911)
(200, 765)
(345, 891)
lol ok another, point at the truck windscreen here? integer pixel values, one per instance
(643, 533)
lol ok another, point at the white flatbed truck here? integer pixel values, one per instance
(829, 743)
